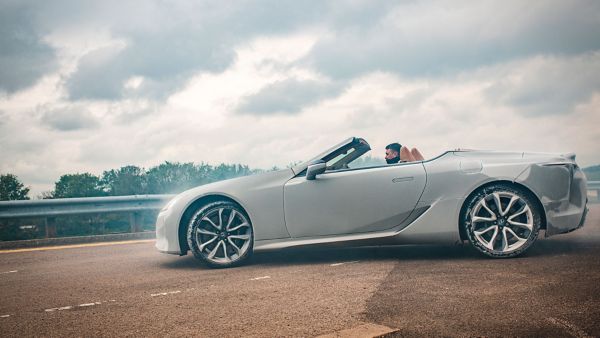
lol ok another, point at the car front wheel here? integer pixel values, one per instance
(220, 234)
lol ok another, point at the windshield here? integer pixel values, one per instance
(351, 156)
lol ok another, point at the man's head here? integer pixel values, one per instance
(392, 153)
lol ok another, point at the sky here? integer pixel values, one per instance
(88, 86)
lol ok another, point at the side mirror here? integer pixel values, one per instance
(315, 169)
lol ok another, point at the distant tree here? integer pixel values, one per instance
(367, 161)
(226, 171)
(176, 177)
(77, 185)
(128, 180)
(46, 195)
(12, 189)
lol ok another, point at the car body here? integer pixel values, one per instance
(404, 203)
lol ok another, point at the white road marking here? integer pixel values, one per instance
(259, 278)
(74, 306)
(164, 293)
(342, 263)
(5, 272)
(4, 316)
(59, 308)
(570, 328)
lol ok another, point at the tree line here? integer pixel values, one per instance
(165, 178)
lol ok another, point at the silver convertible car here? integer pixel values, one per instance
(497, 201)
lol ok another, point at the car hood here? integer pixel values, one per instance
(231, 187)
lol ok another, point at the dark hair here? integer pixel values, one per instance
(394, 146)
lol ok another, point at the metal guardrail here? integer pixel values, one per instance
(594, 186)
(51, 208)
(80, 206)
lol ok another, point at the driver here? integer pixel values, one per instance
(395, 152)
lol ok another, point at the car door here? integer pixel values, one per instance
(352, 201)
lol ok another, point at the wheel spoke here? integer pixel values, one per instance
(224, 249)
(232, 243)
(482, 219)
(498, 203)
(485, 206)
(510, 204)
(220, 218)
(212, 254)
(211, 222)
(520, 239)
(244, 237)
(205, 232)
(493, 239)
(245, 224)
(479, 233)
(518, 213)
(202, 246)
(488, 244)
(504, 240)
(231, 217)
(527, 226)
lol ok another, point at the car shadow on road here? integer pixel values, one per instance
(310, 256)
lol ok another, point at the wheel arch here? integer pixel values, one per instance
(536, 199)
(202, 200)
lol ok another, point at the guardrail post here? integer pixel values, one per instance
(135, 222)
(50, 225)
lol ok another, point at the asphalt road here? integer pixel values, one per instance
(132, 290)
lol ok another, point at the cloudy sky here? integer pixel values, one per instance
(87, 86)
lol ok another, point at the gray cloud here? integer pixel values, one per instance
(434, 38)
(548, 86)
(168, 43)
(24, 58)
(287, 97)
(192, 37)
(69, 118)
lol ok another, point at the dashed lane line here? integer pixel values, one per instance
(71, 307)
(7, 272)
(164, 293)
(4, 316)
(569, 327)
(259, 278)
(342, 263)
(72, 246)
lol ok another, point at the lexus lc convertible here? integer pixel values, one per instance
(497, 201)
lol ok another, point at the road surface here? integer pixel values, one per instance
(132, 290)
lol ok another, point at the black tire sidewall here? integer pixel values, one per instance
(487, 190)
(199, 213)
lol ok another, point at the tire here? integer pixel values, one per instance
(220, 234)
(505, 231)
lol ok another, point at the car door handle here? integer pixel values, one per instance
(402, 179)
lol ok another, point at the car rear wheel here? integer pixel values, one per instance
(501, 220)
(220, 234)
